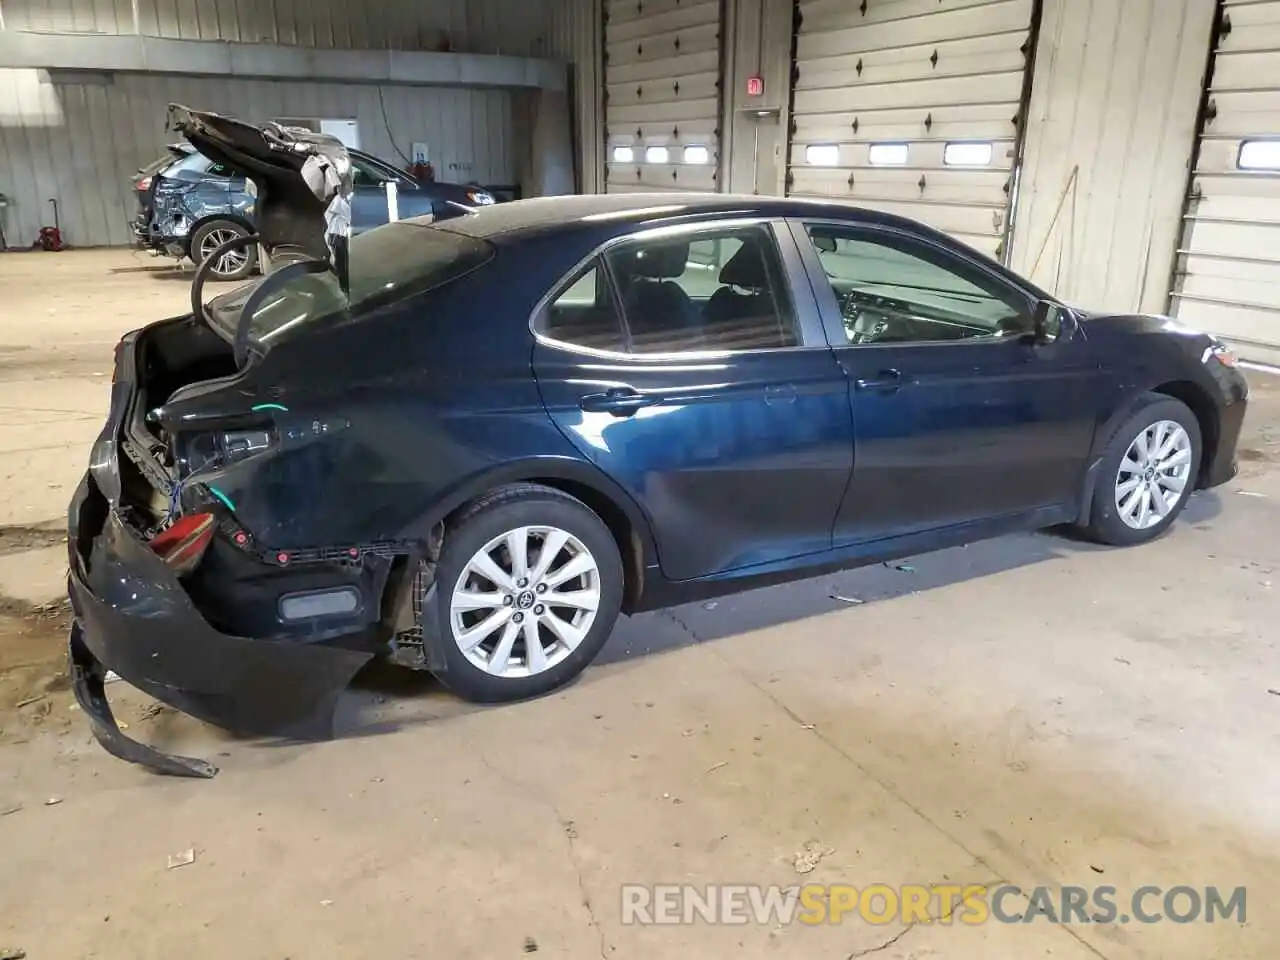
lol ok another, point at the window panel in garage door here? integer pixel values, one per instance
(897, 101)
(1228, 275)
(662, 108)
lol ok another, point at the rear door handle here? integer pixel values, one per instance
(886, 380)
(619, 401)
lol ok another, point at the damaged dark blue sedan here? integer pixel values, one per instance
(502, 431)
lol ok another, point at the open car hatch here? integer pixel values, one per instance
(302, 181)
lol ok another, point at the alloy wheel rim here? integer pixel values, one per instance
(1153, 475)
(525, 601)
(231, 261)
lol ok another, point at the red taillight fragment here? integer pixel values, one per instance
(144, 184)
(182, 545)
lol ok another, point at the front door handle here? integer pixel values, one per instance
(619, 401)
(886, 380)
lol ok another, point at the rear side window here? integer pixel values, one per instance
(586, 314)
(714, 291)
(196, 166)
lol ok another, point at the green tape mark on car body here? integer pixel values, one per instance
(223, 497)
(268, 406)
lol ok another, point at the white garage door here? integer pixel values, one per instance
(911, 107)
(1228, 277)
(662, 99)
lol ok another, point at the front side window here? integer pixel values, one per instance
(365, 173)
(892, 289)
(717, 290)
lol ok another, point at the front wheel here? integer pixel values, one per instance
(528, 588)
(1149, 469)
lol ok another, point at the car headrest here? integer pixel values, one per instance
(664, 261)
(746, 267)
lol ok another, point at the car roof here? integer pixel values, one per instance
(566, 213)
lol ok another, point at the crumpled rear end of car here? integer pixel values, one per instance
(201, 620)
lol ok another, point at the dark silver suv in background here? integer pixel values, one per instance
(189, 205)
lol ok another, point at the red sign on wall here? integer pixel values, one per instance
(755, 86)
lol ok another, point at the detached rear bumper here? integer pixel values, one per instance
(133, 616)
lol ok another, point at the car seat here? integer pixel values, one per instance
(652, 302)
(745, 270)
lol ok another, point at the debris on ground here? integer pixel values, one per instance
(154, 710)
(1274, 692)
(716, 766)
(1124, 661)
(808, 857)
(903, 567)
(5, 811)
(29, 701)
(530, 945)
(53, 801)
(182, 859)
(570, 830)
(12, 953)
(843, 599)
(1096, 869)
(710, 605)
(326, 903)
(1251, 493)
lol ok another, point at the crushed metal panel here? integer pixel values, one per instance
(883, 87)
(662, 95)
(1227, 278)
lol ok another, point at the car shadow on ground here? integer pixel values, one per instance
(384, 698)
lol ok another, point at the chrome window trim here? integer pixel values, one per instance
(775, 225)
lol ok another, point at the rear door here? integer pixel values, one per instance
(959, 416)
(691, 367)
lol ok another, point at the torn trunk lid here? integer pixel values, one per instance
(301, 179)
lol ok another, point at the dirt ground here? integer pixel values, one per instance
(1033, 711)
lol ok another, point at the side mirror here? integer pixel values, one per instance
(1052, 322)
(824, 243)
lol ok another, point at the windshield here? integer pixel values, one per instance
(387, 264)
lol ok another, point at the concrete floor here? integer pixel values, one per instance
(1030, 710)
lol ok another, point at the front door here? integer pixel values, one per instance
(689, 370)
(370, 205)
(959, 415)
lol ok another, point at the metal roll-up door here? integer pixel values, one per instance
(662, 99)
(1228, 274)
(912, 107)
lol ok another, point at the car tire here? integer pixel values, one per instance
(1128, 477)
(569, 637)
(240, 264)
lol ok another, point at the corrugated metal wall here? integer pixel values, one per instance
(80, 141)
(575, 34)
(1111, 131)
(516, 27)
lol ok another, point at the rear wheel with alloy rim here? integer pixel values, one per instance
(527, 591)
(234, 264)
(1148, 471)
